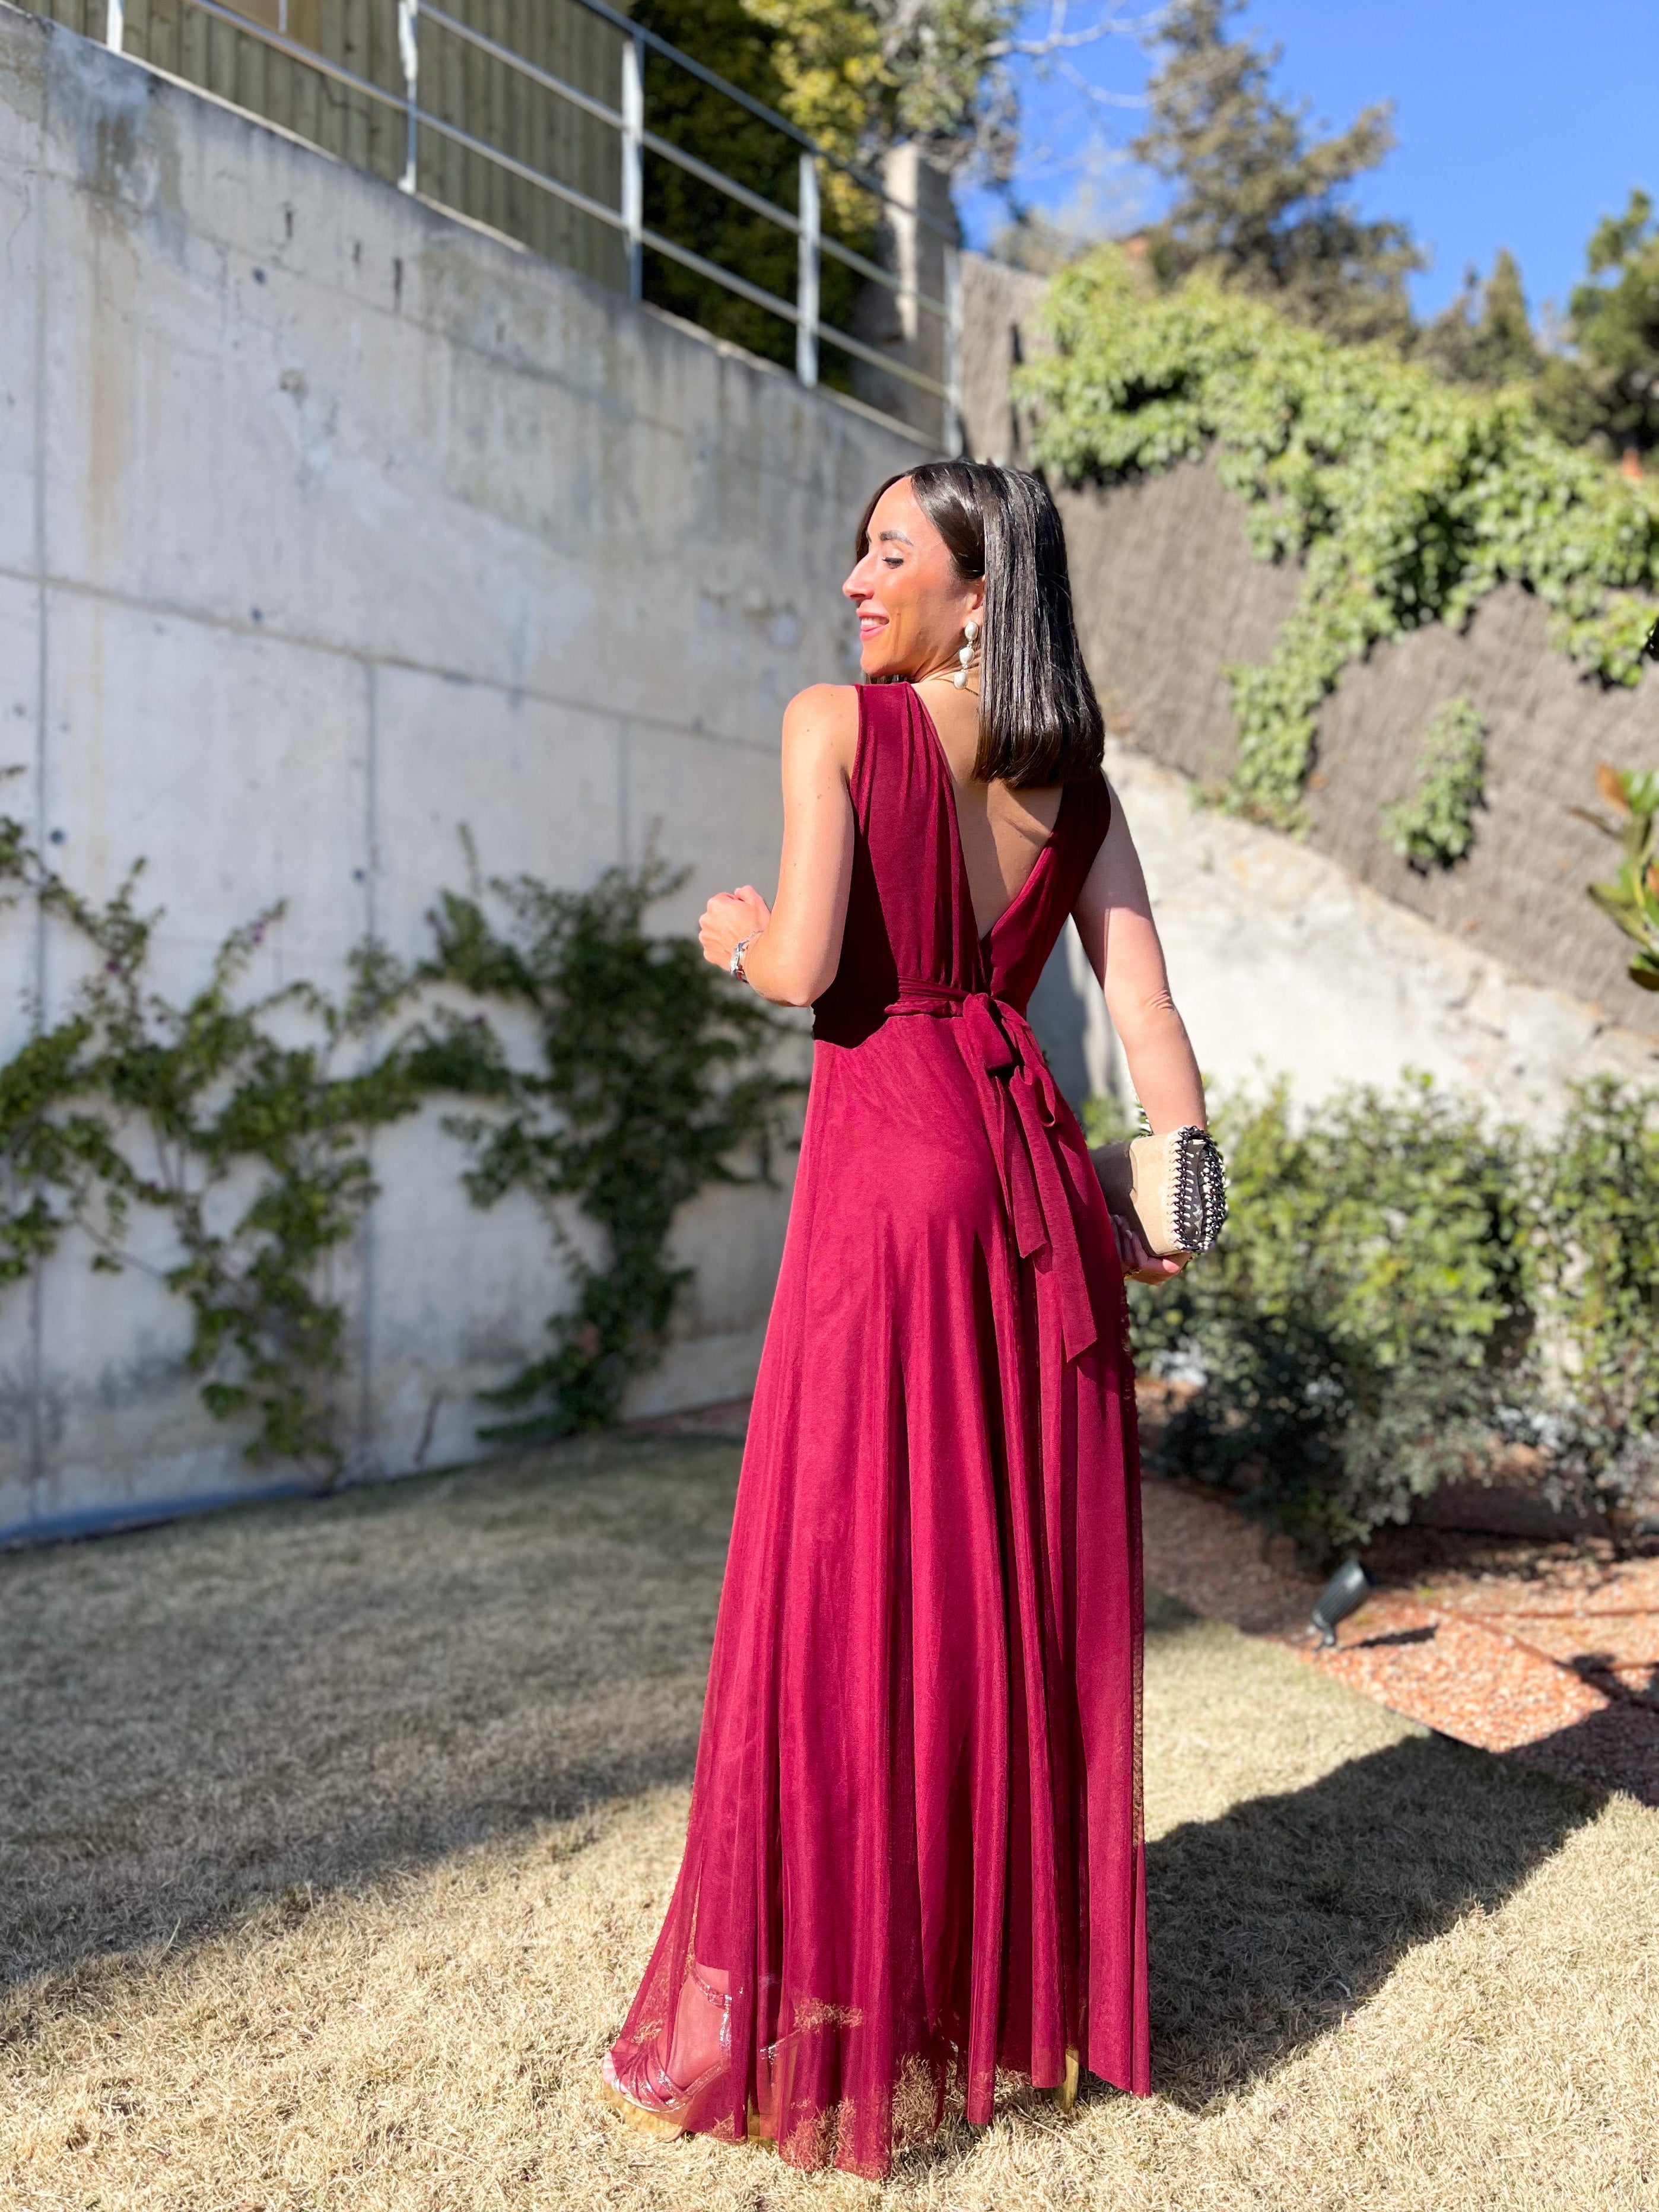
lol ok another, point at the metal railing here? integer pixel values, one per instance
(635, 141)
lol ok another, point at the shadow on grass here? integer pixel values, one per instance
(203, 1717)
(1619, 1746)
(1270, 1924)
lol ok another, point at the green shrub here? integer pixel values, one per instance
(241, 1121)
(653, 1081)
(1630, 900)
(1354, 1333)
(1435, 826)
(1402, 1292)
(230, 1118)
(1595, 1263)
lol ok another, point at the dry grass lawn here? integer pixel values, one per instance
(333, 1838)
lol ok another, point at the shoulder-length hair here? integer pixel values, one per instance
(1039, 720)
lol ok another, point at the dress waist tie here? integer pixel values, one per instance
(1021, 1106)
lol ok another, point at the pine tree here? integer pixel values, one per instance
(1485, 336)
(1607, 388)
(1260, 203)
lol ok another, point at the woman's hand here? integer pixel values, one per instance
(728, 918)
(1140, 1266)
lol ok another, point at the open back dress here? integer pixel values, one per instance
(914, 1850)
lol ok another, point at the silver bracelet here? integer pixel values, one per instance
(734, 966)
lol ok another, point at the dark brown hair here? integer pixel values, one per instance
(1039, 720)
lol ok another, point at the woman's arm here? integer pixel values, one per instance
(795, 945)
(1113, 917)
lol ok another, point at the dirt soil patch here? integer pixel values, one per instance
(1548, 1651)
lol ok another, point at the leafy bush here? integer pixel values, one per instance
(1436, 825)
(1404, 1293)
(229, 1118)
(1595, 1264)
(1631, 898)
(1406, 499)
(1352, 1333)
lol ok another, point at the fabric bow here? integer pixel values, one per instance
(1021, 1107)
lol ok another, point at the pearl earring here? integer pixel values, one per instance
(964, 659)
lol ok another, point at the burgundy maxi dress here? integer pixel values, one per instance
(914, 1848)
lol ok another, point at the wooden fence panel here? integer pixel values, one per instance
(460, 85)
(361, 35)
(89, 17)
(489, 100)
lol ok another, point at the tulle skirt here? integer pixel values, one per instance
(914, 1855)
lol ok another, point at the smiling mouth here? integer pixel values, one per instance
(869, 625)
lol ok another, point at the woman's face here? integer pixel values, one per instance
(911, 603)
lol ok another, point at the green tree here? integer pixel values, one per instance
(713, 129)
(1485, 336)
(859, 77)
(1259, 203)
(946, 86)
(862, 75)
(1605, 389)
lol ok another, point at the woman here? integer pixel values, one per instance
(914, 1853)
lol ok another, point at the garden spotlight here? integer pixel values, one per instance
(1346, 1592)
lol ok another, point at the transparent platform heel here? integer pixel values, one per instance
(645, 2093)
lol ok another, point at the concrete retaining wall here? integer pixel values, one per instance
(330, 524)
(1283, 963)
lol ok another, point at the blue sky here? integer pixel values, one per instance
(1519, 124)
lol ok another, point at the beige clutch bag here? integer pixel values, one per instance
(1172, 1189)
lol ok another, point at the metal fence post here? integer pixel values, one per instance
(951, 426)
(806, 283)
(408, 49)
(115, 25)
(901, 174)
(632, 161)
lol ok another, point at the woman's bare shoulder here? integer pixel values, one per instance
(823, 717)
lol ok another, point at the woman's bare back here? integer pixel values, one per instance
(1003, 832)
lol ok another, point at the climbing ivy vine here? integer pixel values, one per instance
(230, 1132)
(655, 1078)
(238, 1122)
(1405, 500)
(1434, 826)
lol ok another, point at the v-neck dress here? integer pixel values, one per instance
(914, 1850)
